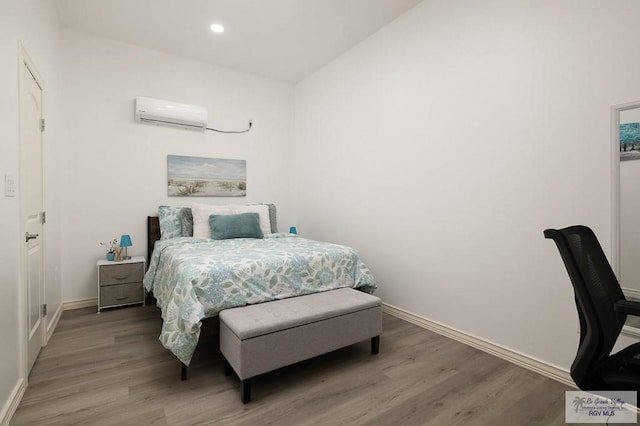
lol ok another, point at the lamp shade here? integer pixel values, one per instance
(125, 241)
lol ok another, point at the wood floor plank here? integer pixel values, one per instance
(110, 369)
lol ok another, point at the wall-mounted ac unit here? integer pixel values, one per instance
(157, 111)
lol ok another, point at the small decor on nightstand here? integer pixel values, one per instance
(111, 247)
(125, 241)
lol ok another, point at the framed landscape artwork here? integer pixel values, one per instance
(206, 177)
(629, 141)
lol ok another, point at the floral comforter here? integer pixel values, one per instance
(194, 278)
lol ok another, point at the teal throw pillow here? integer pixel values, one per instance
(243, 225)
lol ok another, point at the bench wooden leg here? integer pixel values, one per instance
(227, 368)
(183, 372)
(245, 390)
(375, 345)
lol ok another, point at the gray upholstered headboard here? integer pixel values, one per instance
(273, 217)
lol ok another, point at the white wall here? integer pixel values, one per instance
(116, 169)
(443, 146)
(34, 22)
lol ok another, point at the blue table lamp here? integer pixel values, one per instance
(125, 241)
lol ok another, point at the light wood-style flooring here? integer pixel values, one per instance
(110, 369)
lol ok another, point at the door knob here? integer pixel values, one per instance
(31, 236)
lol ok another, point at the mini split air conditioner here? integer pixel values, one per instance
(157, 111)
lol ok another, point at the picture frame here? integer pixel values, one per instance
(206, 177)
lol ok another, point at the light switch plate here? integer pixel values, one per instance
(9, 186)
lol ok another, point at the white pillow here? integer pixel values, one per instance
(261, 209)
(201, 213)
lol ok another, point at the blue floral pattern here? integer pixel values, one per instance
(196, 278)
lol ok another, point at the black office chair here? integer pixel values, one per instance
(602, 310)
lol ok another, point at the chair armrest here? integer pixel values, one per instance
(627, 307)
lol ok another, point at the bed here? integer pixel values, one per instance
(194, 277)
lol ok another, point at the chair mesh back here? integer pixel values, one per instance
(595, 287)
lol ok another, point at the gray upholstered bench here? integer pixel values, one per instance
(256, 339)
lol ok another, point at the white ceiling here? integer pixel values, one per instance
(282, 39)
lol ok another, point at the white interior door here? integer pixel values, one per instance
(32, 216)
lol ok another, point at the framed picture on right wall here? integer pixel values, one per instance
(629, 141)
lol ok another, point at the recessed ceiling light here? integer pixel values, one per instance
(217, 28)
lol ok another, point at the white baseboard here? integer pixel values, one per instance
(631, 293)
(79, 304)
(530, 363)
(53, 323)
(12, 403)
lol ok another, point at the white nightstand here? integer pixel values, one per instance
(120, 283)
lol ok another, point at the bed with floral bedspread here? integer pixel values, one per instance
(196, 278)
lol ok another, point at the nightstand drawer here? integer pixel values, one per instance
(121, 294)
(121, 274)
